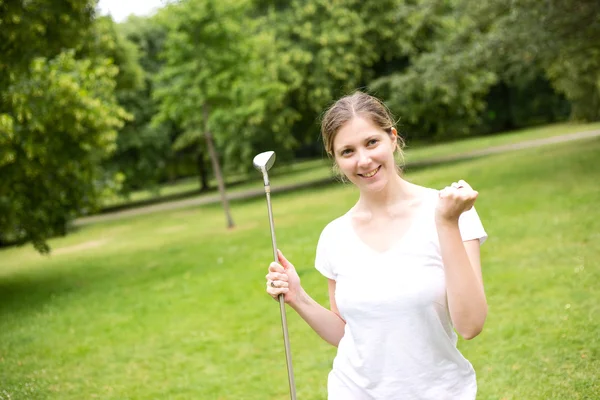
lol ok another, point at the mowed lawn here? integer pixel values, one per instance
(172, 305)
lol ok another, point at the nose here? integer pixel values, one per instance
(364, 159)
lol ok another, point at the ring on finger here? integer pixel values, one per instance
(273, 284)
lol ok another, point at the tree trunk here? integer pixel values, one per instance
(216, 167)
(202, 171)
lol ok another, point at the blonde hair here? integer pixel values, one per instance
(358, 104)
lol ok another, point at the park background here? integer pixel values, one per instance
(134, 237)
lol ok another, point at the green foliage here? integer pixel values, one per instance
(511, 47)
(558, 37)
(438, 95)
(214, 63)
(442, 91)
(148, 36)
(105, 41)
(570, 53)
(264, 71)
(327, 49)
(142, 149)
(39, 28)
(62, 123)
(445, 68)
(58, 117)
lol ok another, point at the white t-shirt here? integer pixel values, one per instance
(399, 342)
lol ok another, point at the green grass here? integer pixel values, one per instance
(172, 305)
(310, 170)
(426, 151)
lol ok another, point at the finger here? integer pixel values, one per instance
(274, 267)
(276, 276)
(275, 292)
(473, 197)
(280, 277)
(279, 284)
(465, 184)
(284, 261)
(271, 276)
(271, 285)
(448, 191)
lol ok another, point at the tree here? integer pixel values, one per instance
(559, 36)
(63, 122)
(39, 28)
(327, 49)
(58, 119)
(490, 50)
(218, 83)
(143, 149)
(441, 90)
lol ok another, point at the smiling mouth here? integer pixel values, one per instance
(370, 174)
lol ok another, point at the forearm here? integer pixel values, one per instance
(327, 324)
(465, 292)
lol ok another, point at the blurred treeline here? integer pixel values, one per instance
(89, 107)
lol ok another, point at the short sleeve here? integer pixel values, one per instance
(322, 263)
(470, 226)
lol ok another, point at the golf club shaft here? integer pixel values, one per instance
(286, 339)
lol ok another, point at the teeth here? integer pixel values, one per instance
(370, 174)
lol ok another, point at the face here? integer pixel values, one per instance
(365, 154)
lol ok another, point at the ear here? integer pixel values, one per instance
(394, 134)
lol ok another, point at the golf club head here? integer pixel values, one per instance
(263, 162)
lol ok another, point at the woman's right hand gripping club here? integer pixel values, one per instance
(283, 279)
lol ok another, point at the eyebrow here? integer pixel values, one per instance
(367, 139)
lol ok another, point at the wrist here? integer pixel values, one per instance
(446, 222)
(300, 298)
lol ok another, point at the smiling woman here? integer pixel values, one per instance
(369, 116)
(403, 269)
(361, 150)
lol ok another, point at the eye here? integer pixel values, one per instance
(345, 152)
(372, 142)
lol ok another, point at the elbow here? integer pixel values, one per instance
(474, 329)
(471, 333)
(334, 341)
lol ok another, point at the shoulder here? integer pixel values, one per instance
(428, 195)
(335, 228)
(329, 242)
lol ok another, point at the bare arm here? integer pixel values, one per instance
(283, 279)
(327, 323)
(464, 282)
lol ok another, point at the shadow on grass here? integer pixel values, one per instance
(22, 294)
(29, 291)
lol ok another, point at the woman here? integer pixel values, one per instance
(403, 269)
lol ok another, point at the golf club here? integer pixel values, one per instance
(263, 162)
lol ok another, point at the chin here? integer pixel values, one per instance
(376, 186)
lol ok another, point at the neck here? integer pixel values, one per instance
(396, 191)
